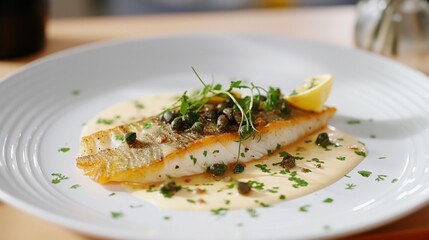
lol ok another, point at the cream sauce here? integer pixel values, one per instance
(316, 167)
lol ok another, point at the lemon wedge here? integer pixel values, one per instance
(313, 94)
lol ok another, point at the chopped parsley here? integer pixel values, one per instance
(341, 158)
(194, 159)
(298, 182)
(74, 186)
(353, 121)
(58, 177)
(252, 212)
(75, 92)
(328, 200)
(205, 153)
(64, 149)
(219, 211)
(282, 197)
(380, 178)
(284, 171)
(360, 153)
(119, 138)
(364, 173)
(350, 186)
(147, 125)
(116, 214)
(256, 185)
(138, 105)
(317, 160)
(190, 201)
(262, 204)
(105, 121)
(263, 168)
(304, 208)
(169, 188)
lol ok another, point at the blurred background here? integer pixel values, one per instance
(78, 8)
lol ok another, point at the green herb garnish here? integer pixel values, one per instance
(105, 121)
(304, 208)
(380, 178)
(272, 101)
(256, 185)
(169, 188)
(64, 149)
(353, 121)
(263, 167)
(194, 159)
(361, 153)
(252, 212)
(58, 177)
(138, 105)
(219, 211)
(365, 173)
(116, 214)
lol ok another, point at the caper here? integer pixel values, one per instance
(189, 119)
(208, 107)
(177, 124)
(288, 161)
(211, 115)
(238, 168)
(237, 115)
(323, 140)
(222, 121)
(168, 116)
(218, 169)
(229, 102)
(285, 108)
(221, 106)
(130, 137)
(229, 113)
(262, 97)
(197, 127)
(243, 188)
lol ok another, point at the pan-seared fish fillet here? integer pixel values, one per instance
(161, 153)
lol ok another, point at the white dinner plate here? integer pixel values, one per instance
(44, 105)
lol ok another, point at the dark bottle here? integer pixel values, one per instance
(22, 27)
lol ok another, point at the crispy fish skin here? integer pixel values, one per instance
(163, 153)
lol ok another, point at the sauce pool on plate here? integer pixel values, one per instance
(316, 166)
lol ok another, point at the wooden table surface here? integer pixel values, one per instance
(332, 25)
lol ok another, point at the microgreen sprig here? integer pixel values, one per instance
(246, 128)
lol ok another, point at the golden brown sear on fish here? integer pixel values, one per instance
(162, 147)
